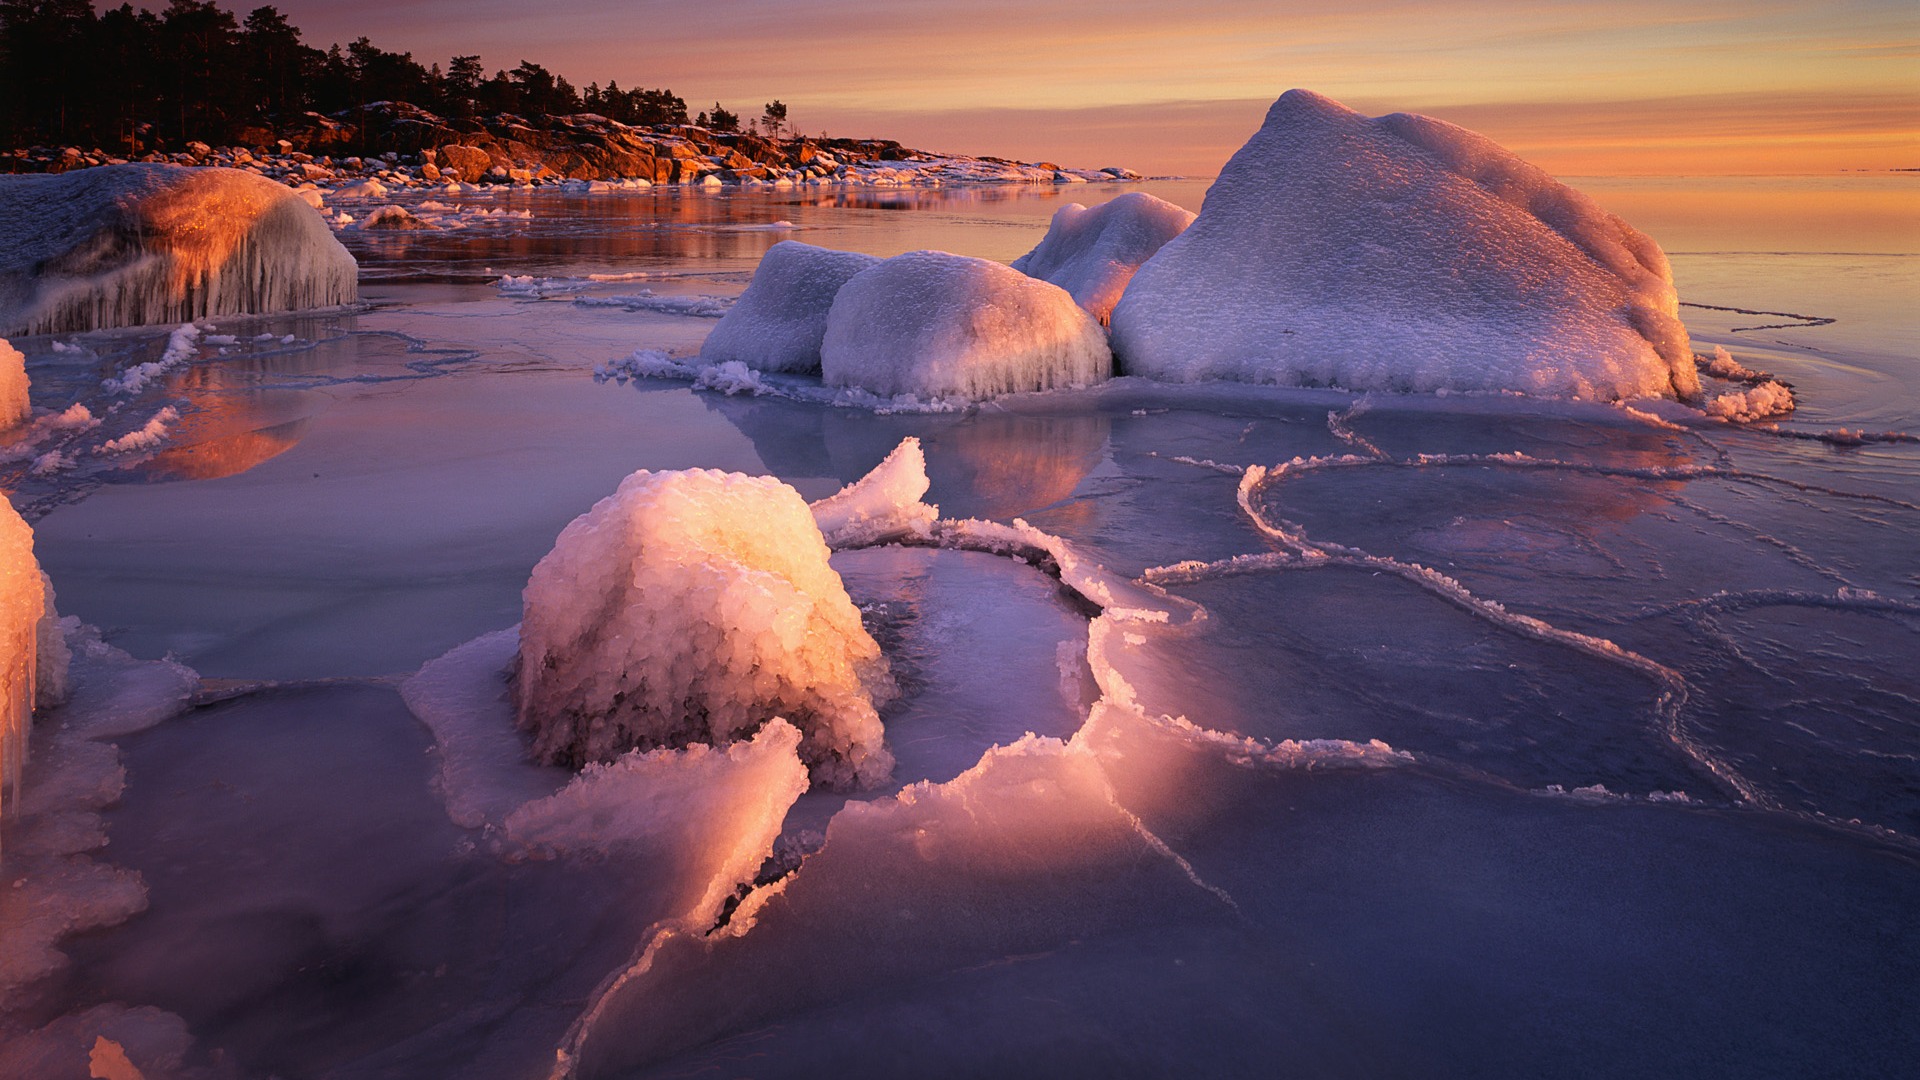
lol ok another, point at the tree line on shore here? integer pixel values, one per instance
(133, 81)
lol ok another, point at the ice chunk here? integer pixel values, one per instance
(885, 504)
(14, 406)
(693, 607)
(1403, 253)
(361, 189)
(937, 325)
(724, 806)
(778, 322)
(129, 245)
(1094, 253)
(391, 216)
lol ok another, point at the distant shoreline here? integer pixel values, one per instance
(398, 144)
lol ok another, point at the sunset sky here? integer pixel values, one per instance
(1626, 87)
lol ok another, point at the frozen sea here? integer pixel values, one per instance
(1595, 752)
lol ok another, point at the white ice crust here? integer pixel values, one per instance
(779, 321)
(936, 325)
(1403, 253)
(131, 245)
(693, 607)
(1093, 253)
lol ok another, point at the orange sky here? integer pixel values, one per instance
(1628, 87)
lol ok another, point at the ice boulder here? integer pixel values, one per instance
(1094, 253)
(935, 325)
(14, 406)
(130, 245)
(778, 322)
(694, 607)
(1403, 253)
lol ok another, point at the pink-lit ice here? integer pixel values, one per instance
(1094, 253)
(936, 325)
(693, 607)
(1403, 253)
(14, 405)
(779, 321)
(883, 505)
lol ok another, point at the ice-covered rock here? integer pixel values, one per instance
(1403, 253)
(26, 611)
(936, 325)
(14, 406)
(130, 245)
(1094, 253)
(779, 321)
(694, 607)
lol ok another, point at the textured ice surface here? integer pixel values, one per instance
(779, 321)
(936, 325)
(1403, 253)
(14, 405)
(885, 504)
(128, 245)
(1093, 253)
(692, 607)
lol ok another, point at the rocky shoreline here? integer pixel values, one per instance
(401, 145)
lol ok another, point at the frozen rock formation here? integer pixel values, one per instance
(694, 607)
(129, 245)
(1094, 253)
(14, 406)
(778, 322)
(1403, 253)
(26, 618)
(936, 325)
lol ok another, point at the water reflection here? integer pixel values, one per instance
(986, 464)
(577, 232)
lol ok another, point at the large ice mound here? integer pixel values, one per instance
(130, 245)
(1403, 253)
(694, 607)
(936, 325)
(778, 322)
(1094, 253)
